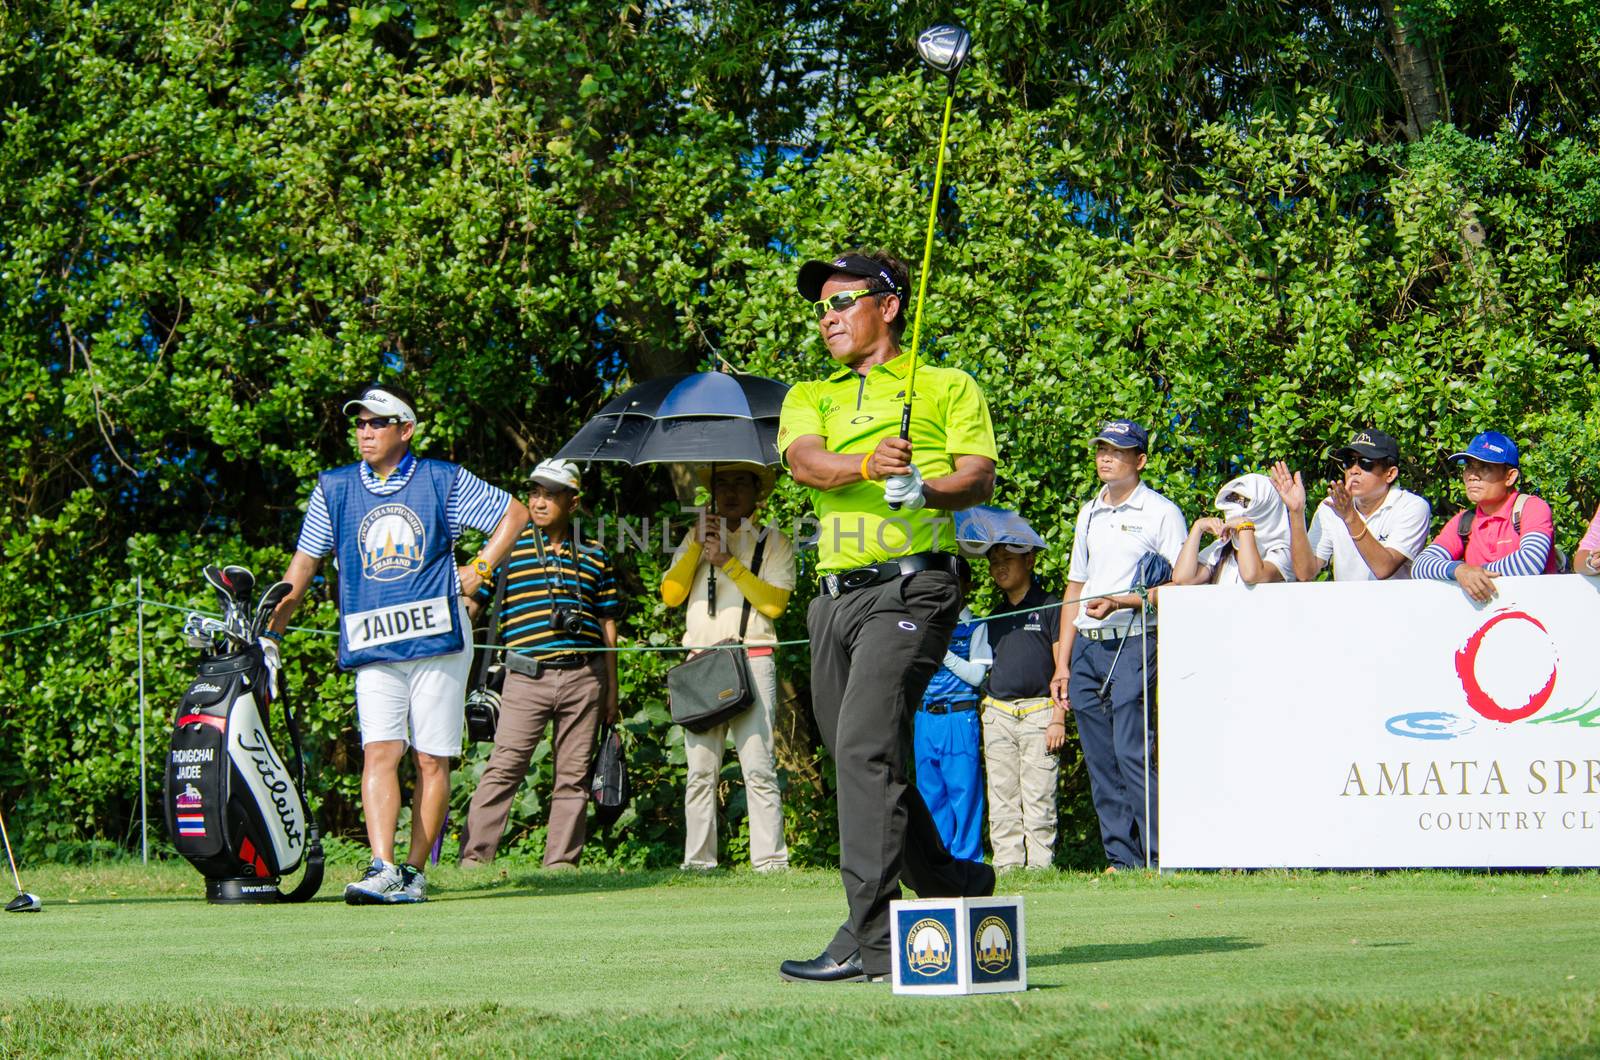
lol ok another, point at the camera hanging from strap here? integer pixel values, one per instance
(483, 703)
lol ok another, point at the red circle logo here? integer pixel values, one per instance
(1467, 670)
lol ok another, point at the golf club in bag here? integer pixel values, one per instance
(943, 49)
(234, 808)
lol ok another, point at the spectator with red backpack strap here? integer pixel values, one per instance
(1505, 533)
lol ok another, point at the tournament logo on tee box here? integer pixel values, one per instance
(929, 951)
(392, 543)
(994, 951)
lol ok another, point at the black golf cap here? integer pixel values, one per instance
(1375, 445)
(813, 274)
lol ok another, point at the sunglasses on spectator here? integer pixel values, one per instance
(1235, 497)
(377, 423)
(1367, 463)
(843, 300)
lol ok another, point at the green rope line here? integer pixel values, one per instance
(69, 618)
(1141, 591)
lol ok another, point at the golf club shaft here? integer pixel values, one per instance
(922, 274)
(9, 856)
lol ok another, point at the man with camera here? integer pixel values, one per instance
(560, 605)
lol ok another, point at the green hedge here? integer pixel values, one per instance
(216, 220)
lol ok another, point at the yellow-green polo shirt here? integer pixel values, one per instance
(852, 413)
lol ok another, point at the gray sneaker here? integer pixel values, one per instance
(383, 884)
(415, 887)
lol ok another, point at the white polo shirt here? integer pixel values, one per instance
(1111, 539)
(1401, 523)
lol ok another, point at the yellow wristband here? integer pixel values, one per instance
(864, 476)
(1245, 526)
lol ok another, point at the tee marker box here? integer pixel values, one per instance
(958, 946)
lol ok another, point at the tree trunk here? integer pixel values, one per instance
(1415, 74)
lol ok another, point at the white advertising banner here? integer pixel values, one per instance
(1377, 725)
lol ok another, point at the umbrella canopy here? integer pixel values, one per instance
(700, 418)
(985, 525)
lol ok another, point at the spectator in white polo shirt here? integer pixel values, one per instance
(1368, 526)
(1103, 673)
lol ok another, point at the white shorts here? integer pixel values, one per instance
(419, 701)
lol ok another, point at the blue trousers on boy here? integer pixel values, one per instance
(949, 748)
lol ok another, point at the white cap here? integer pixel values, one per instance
(380, 402)
(558, 474)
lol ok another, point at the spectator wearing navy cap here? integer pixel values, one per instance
(1369, 527)
(1505, 532)
(1103, 670)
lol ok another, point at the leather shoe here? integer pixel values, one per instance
(824, 969)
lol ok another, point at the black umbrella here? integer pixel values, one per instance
(700, 418)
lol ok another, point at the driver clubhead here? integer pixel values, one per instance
(241, 582)
(24, 903)
(944, 48)
(269, 603)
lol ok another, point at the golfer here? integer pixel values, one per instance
(890, 589)
(392, 519)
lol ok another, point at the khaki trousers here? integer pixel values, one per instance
(569, 701)
(752, 739)
(1022, 783)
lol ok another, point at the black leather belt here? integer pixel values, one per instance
(950, 708)
(531, 666)
(848, 581)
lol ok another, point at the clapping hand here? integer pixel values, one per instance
(1290, 487)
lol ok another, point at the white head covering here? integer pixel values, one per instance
(1254, 497)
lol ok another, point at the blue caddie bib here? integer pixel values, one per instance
(397, 570)
(946, 687)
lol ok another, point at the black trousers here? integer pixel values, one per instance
(873, 652)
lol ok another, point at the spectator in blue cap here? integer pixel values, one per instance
(1105, 655)
(1504, 532)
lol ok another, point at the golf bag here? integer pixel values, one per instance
(234, 807)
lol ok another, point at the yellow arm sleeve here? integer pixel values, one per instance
(679, 579)
(766, 598)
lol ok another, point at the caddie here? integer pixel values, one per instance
(890, 585)
(392, 520)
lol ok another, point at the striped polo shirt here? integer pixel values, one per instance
(578, 576)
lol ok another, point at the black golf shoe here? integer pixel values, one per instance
(824, 969)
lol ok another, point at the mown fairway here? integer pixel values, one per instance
(130, 961)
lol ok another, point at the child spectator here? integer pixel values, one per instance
(1504, 532)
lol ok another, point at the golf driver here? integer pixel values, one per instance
(23, 902)
(944, 50)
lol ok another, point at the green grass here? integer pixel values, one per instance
(128, 961)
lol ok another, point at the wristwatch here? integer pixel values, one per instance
(481, 565)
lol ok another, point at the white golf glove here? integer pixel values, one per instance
(905, 490)
(273, 656)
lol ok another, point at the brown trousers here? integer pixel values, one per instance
(568, 700)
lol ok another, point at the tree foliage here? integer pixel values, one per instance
(1252, 226)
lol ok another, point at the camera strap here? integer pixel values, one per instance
(481, 663)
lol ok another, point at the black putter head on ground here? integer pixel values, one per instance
(24, 903)
(944, 48)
